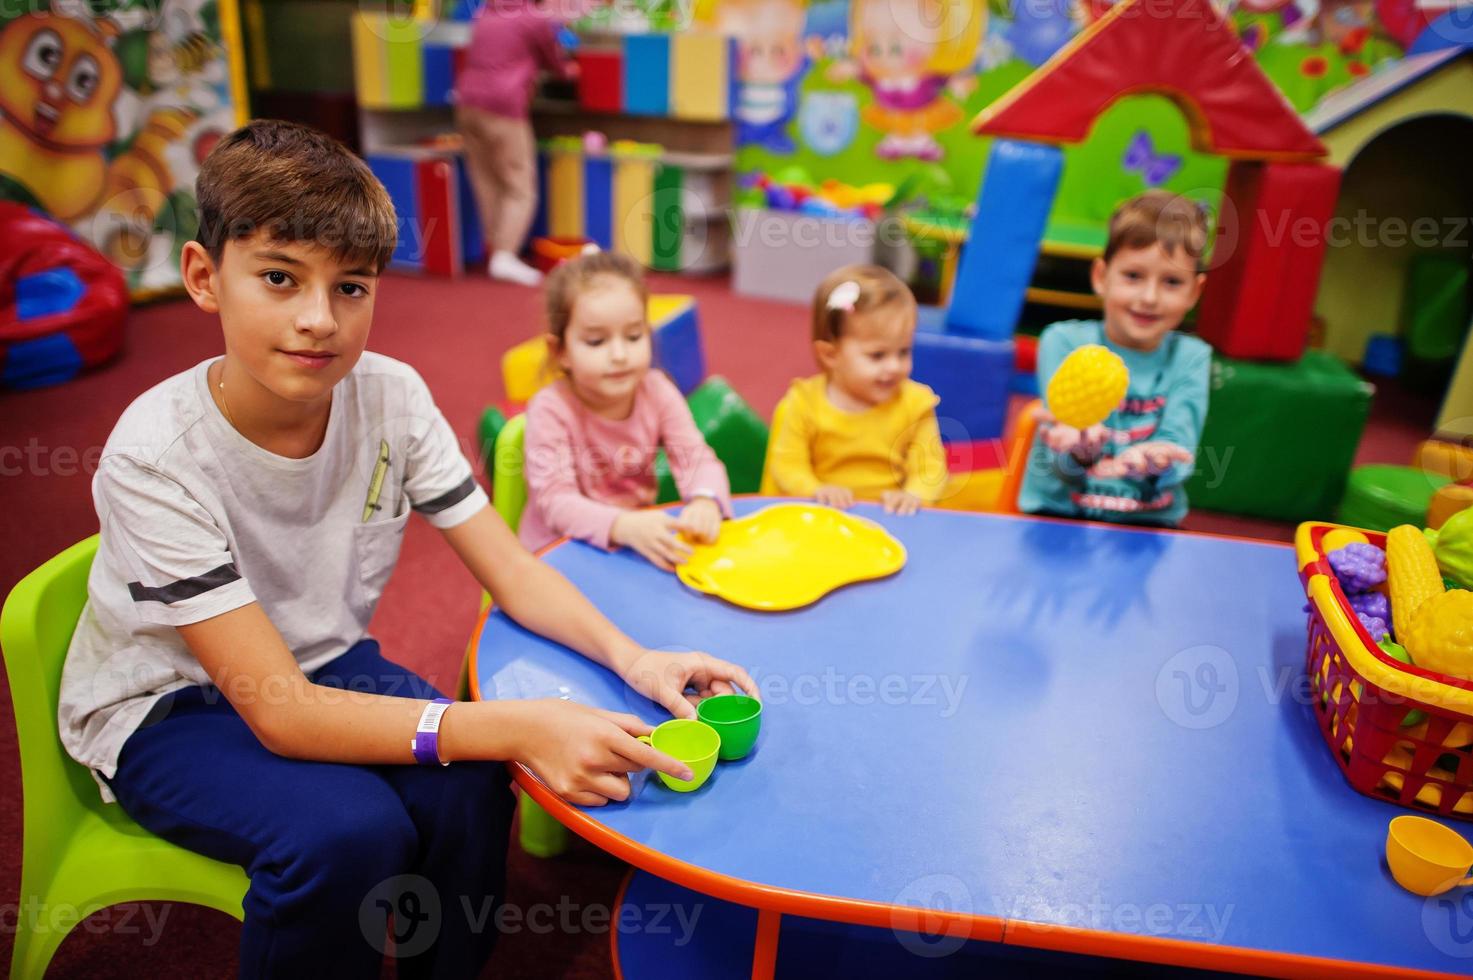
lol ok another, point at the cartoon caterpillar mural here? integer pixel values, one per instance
(138, 186)
(65, 92)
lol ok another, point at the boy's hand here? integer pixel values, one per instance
(1155, 458)
(832, 496)
(652, 534)
(1145, 459)
(1085, 445)
(701, 520)
(663, 678)
(585, 754)
(900, 502)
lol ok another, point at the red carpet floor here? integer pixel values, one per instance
(454, 334)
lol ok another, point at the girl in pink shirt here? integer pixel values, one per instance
(592, 434)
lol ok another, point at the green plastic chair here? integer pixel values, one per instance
(508, 471)
(540, 834)
(492, 421)
(79, 853)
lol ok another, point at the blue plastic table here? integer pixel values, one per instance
(1055, 735)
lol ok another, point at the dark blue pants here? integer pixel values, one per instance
(331, 849)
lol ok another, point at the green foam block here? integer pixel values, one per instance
(735, 433)
(1280, 437)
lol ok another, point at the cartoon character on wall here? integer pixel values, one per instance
(99, 129)
(1332, 44)
(828, 121)
(771, 63)
(58, 81)
(1039, 29)
(910, 53)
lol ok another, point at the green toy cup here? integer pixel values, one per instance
(693, 742)
(736, 718)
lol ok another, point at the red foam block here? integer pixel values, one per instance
(1182, 49)
(1259, 298)
(601, 80)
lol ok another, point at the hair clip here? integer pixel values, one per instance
(591, 249)
(844, 296)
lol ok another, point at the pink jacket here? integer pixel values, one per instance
(510, 41)
(584, 470)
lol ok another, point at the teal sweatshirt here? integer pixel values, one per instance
(1166, 401)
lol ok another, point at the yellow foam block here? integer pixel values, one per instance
(1447, 501)
(634, 215)
(524, 369)
(700, 76)
(664, 307)
(1448, 459)
(369, 57)
(977, 490)
(565, 194)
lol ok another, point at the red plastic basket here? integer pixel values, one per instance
(1365, 701)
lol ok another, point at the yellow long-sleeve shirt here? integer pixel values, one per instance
(894, 446)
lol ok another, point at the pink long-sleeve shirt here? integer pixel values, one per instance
(510, 41)
(584, 470)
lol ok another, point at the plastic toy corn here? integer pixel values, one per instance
(1087, 387)
(1413, 577)
(1440, 636)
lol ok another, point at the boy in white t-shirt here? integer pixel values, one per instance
(221, 683)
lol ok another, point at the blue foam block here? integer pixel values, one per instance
(1024, 383)
(539, 219)
(472, 242)
(44, 361)
(969, 374)
(678, 351)
(1383, 356)
(47, 293)
(733, 79)
(398, 177)
(439, 74)
(1002, 246)
(647, 74)
(598, 201)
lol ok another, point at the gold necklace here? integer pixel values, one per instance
(224, 403)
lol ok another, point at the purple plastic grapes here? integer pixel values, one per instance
(1359, 567)
(1375, 625)
(1374, 605)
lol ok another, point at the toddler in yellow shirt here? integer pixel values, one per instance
(861, 430)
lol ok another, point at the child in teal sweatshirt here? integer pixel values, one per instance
(1131, 468)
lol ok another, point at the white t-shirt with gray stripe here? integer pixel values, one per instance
(197, 520)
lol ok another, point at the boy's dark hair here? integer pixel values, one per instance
(296, 184)
(568, 281)
(873, 286)
(1159, 217)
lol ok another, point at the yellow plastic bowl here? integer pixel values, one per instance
(1427, 858)
(790, 555)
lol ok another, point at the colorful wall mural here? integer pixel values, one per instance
(881, 90)
(107, 109)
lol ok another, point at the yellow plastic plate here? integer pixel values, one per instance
(789, 555)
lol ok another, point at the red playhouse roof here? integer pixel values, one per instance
(1181, 49)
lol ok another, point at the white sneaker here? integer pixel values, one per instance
(508, 268)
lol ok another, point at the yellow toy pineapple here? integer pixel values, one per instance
(1087, 387)
(1440, 634)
